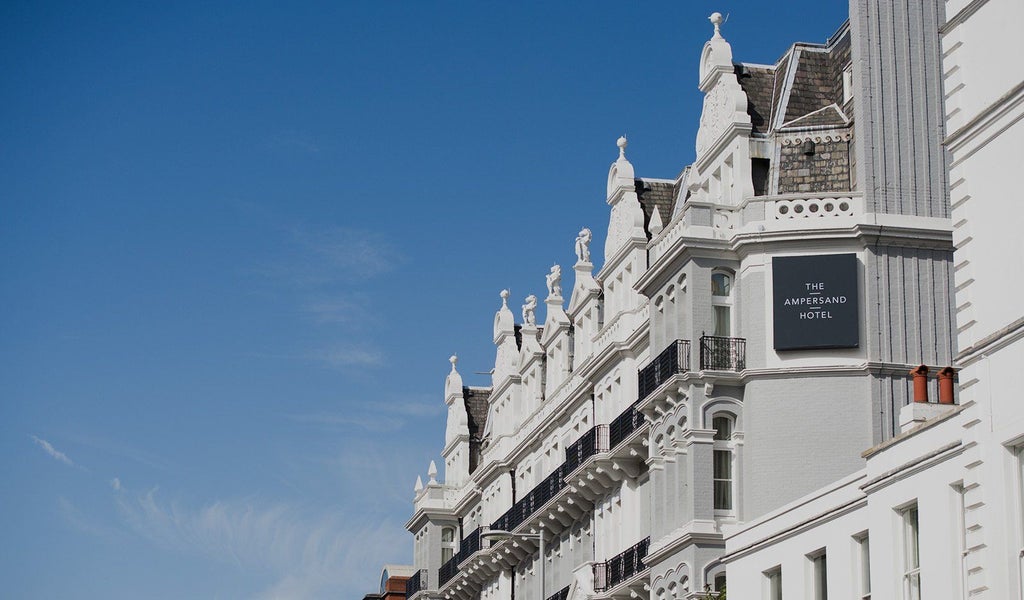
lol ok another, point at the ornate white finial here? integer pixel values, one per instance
(716, 19)
(453, 359)
(656, 225)
(621, 143)
(419, 484)
(432, 473)
(504, 298)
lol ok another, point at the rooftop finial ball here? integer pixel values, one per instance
(716, 18)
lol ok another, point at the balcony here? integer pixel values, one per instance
(672, 361)
(561, 594)
(590, 443)
(415, 583)
(621, 567)
(468, 545)
(629, 421)
(531, 502)
(591, 469)
(722, 353)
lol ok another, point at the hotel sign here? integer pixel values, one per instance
(815, 301)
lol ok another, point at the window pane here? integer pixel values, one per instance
(723, 464)
(720, 284)
(447, 554)
(723, 428)
(723, 495)
(865, 568)
(913, 553)
(775, 585)
(723, 327)
(820, 578)
(447, 534)
(719, 582)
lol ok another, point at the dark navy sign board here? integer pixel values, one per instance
(815, 301)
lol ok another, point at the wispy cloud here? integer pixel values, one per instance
(380, 415)
(307, 557)
(341, 309)
(322, 257)
(115, 484)
(349, 356)
(293, 141)
(338, 422)
(121, 449)
(53, 452)
(74, 517)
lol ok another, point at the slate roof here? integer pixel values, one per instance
(778, 86)
(801, 87)
(656, 193)
(476, 408)
(812, 87)
(830, 115)
(757, 82)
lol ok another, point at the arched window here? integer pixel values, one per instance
(719, 583)
(722, 469)
(448, 544)
(721, 302)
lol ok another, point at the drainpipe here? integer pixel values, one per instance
(946, 376)
(920, 383)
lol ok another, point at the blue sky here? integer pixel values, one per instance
(240, 241)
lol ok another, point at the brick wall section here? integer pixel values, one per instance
(827, 170)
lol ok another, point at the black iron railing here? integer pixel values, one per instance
(561, 594)
(621, 566)
(673, 360)
(623, 425)
(469, 545)
(528, 504)
(448, 570)
(415, 583)
(590, 443)
(723, 353)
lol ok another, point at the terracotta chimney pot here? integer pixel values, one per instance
(920, 383)
(946, 376)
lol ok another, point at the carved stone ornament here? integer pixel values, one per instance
(583, 245)
(554, 281)
(715, 118)
(530, 310)
(819, 137)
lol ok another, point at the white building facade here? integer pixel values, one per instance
(728, 401)
(937, 511)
